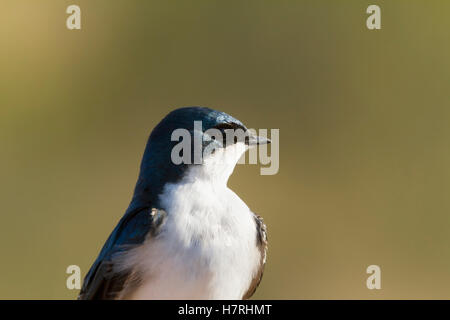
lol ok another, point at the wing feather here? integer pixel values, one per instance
(102, 281)
(261, 242)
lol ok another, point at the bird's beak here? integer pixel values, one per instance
(255, 140)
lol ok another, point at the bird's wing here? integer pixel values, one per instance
(261, 242)
(102, 281)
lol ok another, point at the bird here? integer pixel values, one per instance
(185, 235)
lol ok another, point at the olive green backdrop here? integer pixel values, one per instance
(364, 133)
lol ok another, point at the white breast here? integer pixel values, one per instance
(206, 248)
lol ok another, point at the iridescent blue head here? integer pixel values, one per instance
(158, 167)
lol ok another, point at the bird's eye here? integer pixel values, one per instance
(226, 125)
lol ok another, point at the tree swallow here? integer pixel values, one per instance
(185, 234)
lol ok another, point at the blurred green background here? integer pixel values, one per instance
(364, 133)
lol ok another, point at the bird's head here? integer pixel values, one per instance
(195, 142)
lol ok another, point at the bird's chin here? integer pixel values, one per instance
(219, 165)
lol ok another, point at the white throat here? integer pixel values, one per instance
(218, 166)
